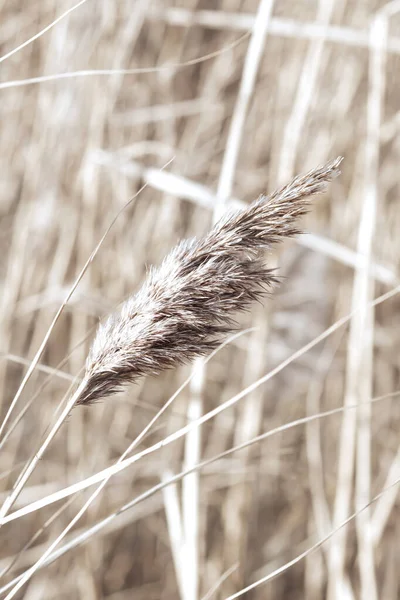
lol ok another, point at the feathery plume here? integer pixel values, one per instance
(186, 306)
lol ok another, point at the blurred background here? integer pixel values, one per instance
(204, 102)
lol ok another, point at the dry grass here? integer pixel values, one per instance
(242, 96)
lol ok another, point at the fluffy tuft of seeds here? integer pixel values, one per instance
(185, 307)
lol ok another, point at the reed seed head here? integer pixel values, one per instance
(186, 306)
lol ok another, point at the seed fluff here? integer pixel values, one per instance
(186, 305)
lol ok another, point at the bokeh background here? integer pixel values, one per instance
(233, 99)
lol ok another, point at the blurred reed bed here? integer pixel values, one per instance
(240, 97)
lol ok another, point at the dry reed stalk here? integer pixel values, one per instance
(185, 306)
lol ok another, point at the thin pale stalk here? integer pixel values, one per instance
(34, 461)
(313, 548)
(83, 537)
(117, 468)
(103, 482)
(305, 94)
(175, 531)
(190, 485)
(118, 72)
(42, 32)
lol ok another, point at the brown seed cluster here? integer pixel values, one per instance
(186, 306)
